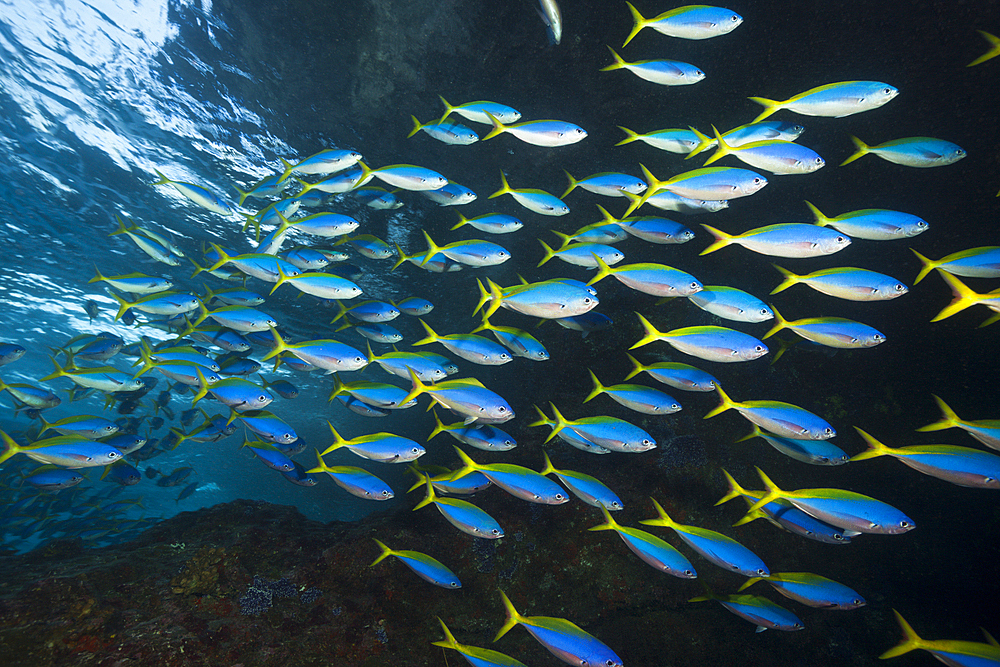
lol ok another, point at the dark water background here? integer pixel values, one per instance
(94, 96)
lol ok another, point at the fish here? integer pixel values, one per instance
(268, 186)
(835, 332)
(83, 426)
(581, 254)
(136, 283)
(103, 378)
(790, 239)
(663, 72)
(381, 447)
(844, 509)
(321, 285)
(981, 262)
(758, 610)
(479, 112)
(326, 161)
(452, 133)
(731, 304)
(655, 230)
(782, 419)
(874, 224)
(668, 201)
(706, 342)
(404, 176)
(585, 487)
(546, 133)
(609, 184)
(400, 363)
(470, 347)
(648, 278)
(986, 431)
(844, 98)
(688, 22)
(964, 297)
(552, 18)
(649, 548)
(329, 355)
(919, 152)
(708, 183)
(414, 306)
(356, 481)
(749, 133)
(550, 299)
(672, 140)
(462, 514)
(427, 568)
(199, 195)
(674, 374)
(475, 656)
(848, 283)
(962, 466)
(11, 352)
(375, 394)
(535, 200)
(562, 638)
(66, 451)
(235, 393)
(157, 250)
(774, 155)
(518, 481)
(715, 547)
(491, 223)
(484, 436)
(609, 433)
(466, 397)
(635, 397)
(952, 652)
(53, 480)
(519, 342)
(473, 252)
(814, 452)
(452, 194)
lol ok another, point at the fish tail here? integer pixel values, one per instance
(603, 270)
(243, 194)
(722, 239)
(663, 518)
(651, 333)
(438, 426)
(495, 298)
(750, 517)
(498, 127)
(448, 108)
(58, 372)
(771, 492)
(513, 618)
(948, 417)
(790, 279)
(202, 384)
(418, 387)
(630, 136)
(417, 126)
(598, 387)
(98, 278)
(341, 311)
(549, 252)
(639, 23)
(321, 464)
(279, 345)
(572, 184)
(449, 640)
(609, 521)
(282, 279)
(770, 106)
(338, 441)
(543, 420)
(223, 257)
(820, 219)
(467, 461)
(875, 448)
(8, 448)
(484, 296)
(485, 326)
(653, 186)
(911, 640)
(752, 434)
(928, 265)
(619, 63)
(722, 149)
(386, 552)
(749, 582)
(432, 249)
(725, 402)
(779, 324)
(146, 359)
(548, 468)
(462, 221)
(992, 53)
(123, 305)
(430, 497)
(402, 258)
(431, 337)
(637, 367)
(735, 490)
(122, 229)
(704, 141)
(558, 422)
(504, 186)
(862, 150)
(163, 179)
(964, 297)
(289, 168)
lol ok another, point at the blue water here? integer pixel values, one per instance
(95, 96)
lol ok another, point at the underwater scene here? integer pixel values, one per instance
(362, 333)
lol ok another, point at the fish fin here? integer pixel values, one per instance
(386, 552)
(770, 106)
(630, 136)
(748, 583)
(779, 324)
(722, 239)
(638, 23)
(725, 403)
(875, 448)
(772, 492)
(448, 108)
(722, 149)
(619, 63)
(948, 417)
(430, 497)
(928, 265)
(9, 447)
(163, 179)
(572, 184)
(513, 618)
(549, 252)
(964, 296)
(609, 521)
(989, 638)
(417, 126)
(911, 640)
(862, 150)
(498, 128)
(994, 51)
(449, 640)
(820, 219)
(704, 141)
(735, 490)
(636, 367)
(598, 387)
(789, 279)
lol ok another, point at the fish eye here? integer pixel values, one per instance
(887, 91)
(819, 160)
(759, 348)
(796, 625)
(501, 409)
(559, 134)
(615, 503)
(756, 181)
(384, 493)
(762, 572)
(905, 524)
(857, 601)
(764, 311)
(689, 572)
(693, 285)
(877, 337)
(495, 531)
(734, 18)
(828, 430)
(837, 536)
